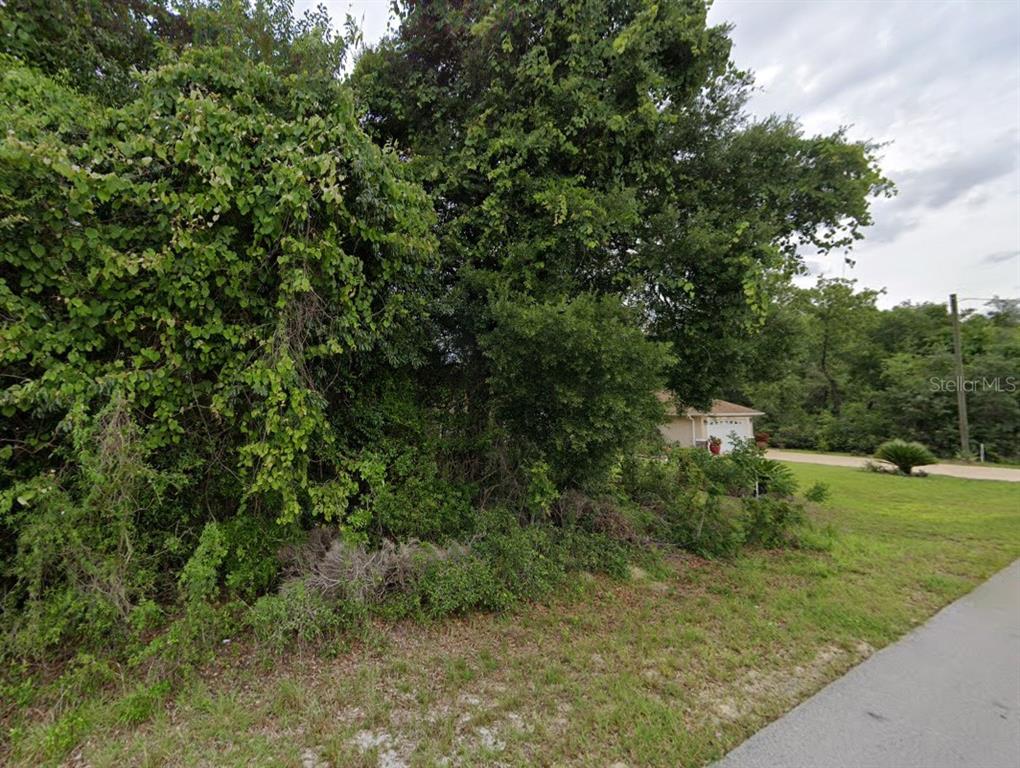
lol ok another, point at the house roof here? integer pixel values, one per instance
(725, 408)
(718, 408)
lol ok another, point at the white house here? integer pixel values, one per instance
(694, 428)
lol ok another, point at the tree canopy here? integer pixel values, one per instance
(832, 371)
(242, 295)
(603, 147)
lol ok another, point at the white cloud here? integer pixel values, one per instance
(939, 81)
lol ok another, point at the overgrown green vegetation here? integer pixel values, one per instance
(672, 667)
(282, 350)
(833, 372)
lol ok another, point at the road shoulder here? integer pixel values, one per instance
(946, 695)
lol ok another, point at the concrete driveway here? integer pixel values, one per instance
(967, 471)
(945, 696)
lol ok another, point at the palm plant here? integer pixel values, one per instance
(905, 456)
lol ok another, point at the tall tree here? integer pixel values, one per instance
(96, 46)
(601, 146)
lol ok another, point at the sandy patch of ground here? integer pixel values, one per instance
(784, 684)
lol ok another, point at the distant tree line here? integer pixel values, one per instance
(834, 372)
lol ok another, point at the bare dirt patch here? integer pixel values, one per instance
(784, 684)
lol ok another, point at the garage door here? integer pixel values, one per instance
(724, 427)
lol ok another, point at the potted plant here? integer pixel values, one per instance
(714, 445)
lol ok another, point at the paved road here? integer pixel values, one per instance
(946, 695)
(968, 471)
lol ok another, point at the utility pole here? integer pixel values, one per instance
(961, 393)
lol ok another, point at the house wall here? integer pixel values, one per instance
(679, 430)
(685, 431)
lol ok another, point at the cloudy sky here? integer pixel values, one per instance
(938, 82)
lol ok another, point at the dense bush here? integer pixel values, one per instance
(79, 569)
(300, 612)
(574, 380)
(713, 505)
(333, 583)
(426, 307)
(707, 524)
(904, 456)
(603, 515)
(460, 585)
(181, 278)
(417, 501)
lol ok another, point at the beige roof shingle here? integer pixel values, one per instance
(719, 408)
(726, 408)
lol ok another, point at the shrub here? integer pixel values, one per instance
(529, 560)
(190, 640)
(693, 498)
(776, 479)
(82, 560)
(417, 502)
(681, 498)
(541, 491)
(461, 584)
(200, 576)
(650, 482)
(366, 576)
(505, 561)
(85, 675)
(602, 515)
(595, 553)
(343, 571)
(141, 703)
(769, 522)
(703, 523)
(574, 380)
(754, 474)
(251, 565)
(300, 612)
(66, 732)
(817, 493)
(905, 456)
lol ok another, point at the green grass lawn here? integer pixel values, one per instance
(672, 668)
